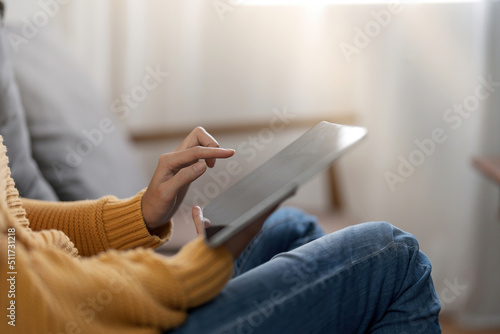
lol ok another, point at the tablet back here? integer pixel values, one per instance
(274, 180)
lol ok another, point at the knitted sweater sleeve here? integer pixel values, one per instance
(132, 292)
(96, 225)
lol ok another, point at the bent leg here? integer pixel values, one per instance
(284, 230)
(366, 278)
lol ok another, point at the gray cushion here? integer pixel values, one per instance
(81, 148)
(25, 172)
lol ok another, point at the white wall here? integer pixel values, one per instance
(426, 60)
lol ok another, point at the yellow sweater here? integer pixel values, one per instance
(46, 287)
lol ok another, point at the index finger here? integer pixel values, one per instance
(199, 137)
(175, 161)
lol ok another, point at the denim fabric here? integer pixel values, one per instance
(286, 229)
(367, 278)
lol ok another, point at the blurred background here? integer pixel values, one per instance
(422, 76)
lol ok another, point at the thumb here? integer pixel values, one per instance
(200, 222)
(198, 219)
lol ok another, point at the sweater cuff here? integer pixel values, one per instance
(125, 226)
(202, 271)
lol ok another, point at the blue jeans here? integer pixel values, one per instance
(369, 277)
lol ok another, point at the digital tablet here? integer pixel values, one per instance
(274, 180)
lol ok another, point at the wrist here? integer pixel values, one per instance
(124, 224)
(153, 226)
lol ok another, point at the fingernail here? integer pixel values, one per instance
(198, 211)
(198, 167)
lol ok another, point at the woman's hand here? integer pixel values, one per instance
(174, 174)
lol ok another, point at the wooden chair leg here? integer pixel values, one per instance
(335, 193)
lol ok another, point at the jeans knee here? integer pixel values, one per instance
(382, 234)
(391, 232)
(402, 237)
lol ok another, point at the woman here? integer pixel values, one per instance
(88, 267)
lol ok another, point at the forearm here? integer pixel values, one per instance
(96, 225)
